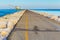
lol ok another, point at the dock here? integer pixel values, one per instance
(33, 26)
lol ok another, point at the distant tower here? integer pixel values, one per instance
(14, 7)
(17, 7)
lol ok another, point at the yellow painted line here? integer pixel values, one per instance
(26, 26)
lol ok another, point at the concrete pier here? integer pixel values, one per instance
(32, 26)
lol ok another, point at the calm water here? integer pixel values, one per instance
(10, 11)
(7, 11)
(50, 11)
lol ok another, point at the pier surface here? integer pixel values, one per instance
(33, 26)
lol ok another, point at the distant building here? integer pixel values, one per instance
(17, 7)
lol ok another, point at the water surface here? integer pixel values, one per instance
(4, 12)
(50, 11)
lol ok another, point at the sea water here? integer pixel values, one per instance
(4, 12)
(49, 11)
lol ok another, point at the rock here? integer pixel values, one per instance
(7, 23)
(3, 23)
(58, 19)
(4, 33)
(54, 17)
(10, 25)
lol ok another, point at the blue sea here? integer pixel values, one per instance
(4, 12)
(50, 11)
(10, 11)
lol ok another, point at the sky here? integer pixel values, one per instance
(30, 4)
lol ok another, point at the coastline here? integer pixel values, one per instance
(8, 22)
(42, 22)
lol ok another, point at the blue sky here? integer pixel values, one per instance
(30, 4)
